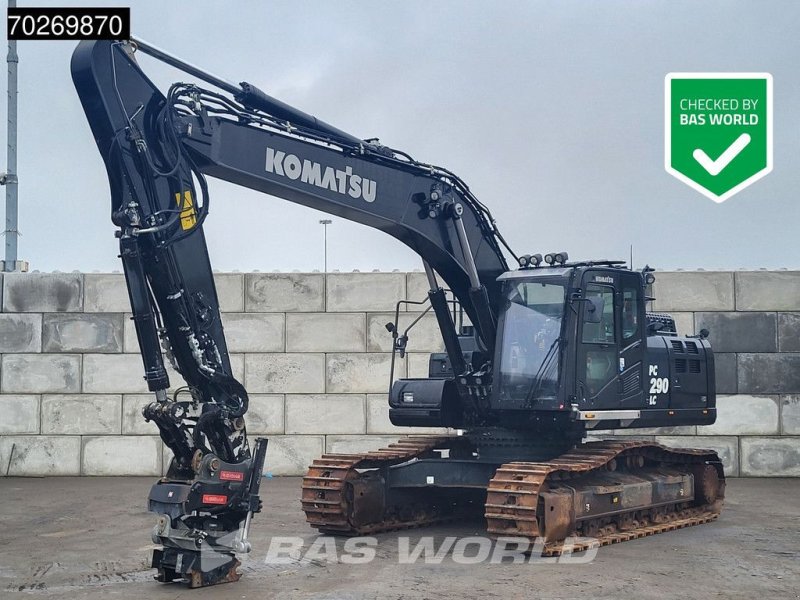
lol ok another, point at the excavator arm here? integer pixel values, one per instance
(158, 149)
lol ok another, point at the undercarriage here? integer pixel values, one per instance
(599, 492)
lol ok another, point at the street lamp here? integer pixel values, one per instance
(325, 223)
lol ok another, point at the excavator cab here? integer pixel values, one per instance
(577, 338)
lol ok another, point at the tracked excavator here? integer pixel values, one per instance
(536, 358)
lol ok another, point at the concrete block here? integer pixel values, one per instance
(130, 342)
(121, 455)
(42, 292)
(133, 422)
(423, 337)
(347, 292)
(166, 458)
(417, 290)
(230, 291)
(20, 414)
(108, 293)
(237, 366)
(790, 415)
(252, 332)
(359, 373)
(41, 373)
(266, 414)
(285, 373)
(789, 332)
(114, 373)
(20, 333)
(768, 290)
(684, 322)
(693, 291)
(82, 414)
(292, 454)
(326, 332)
(82, 333)
(725, 373)
(417, 365)
(105, 293)
(768, 373)
(124, 373)
(325, 414)
(355, 444)
(40, 455)
(284, 292)
(726, 446)
(378, 419)
(770, 456)
(740, 332)
(744, 415)
(417, 287)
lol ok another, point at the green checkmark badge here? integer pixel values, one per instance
(718, 130)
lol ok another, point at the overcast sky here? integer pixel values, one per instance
(551, 111)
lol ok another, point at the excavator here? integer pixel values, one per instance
(537, 358)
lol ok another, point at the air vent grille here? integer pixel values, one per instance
(694, 366)
(677, 345)
(631, 383)
(691, 348)
(680, 365)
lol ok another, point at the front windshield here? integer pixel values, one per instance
(531, 332)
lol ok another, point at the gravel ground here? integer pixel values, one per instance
(89, 538)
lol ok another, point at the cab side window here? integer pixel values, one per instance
(630, 313)
(601, 359)
(602, 332)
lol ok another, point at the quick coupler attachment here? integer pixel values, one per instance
(204, 523)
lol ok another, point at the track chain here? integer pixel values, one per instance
(512, 500)
(324, 496)
(512, 495)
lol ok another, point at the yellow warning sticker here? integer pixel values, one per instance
(188, 214)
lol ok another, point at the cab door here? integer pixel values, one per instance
(631, 320)
(597, 349)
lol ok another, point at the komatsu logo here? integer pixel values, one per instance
(308, 171)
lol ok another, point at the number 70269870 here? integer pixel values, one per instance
(68, 23)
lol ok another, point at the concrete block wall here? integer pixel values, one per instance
(313, 352)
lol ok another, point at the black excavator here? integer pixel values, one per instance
(536, 357)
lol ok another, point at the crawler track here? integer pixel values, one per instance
(332, 480)
(343, 494)
(514, 504)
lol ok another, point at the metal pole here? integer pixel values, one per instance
(11, 231)
(325, 223)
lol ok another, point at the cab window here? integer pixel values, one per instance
(602, 332)
(600, 358)
(630, 313)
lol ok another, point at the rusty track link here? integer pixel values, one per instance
(513, 507)
(325, 489)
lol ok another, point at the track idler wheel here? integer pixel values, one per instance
(708, 487)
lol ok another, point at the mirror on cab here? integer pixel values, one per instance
(593, 309)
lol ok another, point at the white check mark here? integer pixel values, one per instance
(714, 167)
